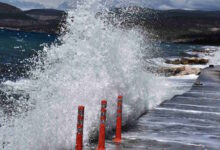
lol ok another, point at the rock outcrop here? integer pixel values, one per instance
(203, 51)
(188, 61)
(179, 71)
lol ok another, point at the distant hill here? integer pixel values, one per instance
(6, 8)
(182, 26)
(11, 12)
(35, 20)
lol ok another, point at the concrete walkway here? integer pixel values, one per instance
(186, 122)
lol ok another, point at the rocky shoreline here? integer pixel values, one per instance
(179, 71)
(186, 65)
(188, 61)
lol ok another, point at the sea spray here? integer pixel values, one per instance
(96, 61)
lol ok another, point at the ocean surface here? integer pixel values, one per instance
(44, 78)
(15, 46)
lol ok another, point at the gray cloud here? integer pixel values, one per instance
(47, 3)
(173, 4)
(185, 4)
(157, 4)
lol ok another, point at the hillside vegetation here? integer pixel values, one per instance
(184, 26)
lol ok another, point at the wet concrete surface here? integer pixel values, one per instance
(186, 122)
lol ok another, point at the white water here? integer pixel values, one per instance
(215, 60)
(95, 62)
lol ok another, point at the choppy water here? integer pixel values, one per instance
(95, 61)
(17, 45)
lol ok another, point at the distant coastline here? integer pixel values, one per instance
(35, 20)
(176, 26)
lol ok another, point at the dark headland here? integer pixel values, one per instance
(35, 20)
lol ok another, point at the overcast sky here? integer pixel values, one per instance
(157, 4)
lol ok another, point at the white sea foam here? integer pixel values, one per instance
(216, 59)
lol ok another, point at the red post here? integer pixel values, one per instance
(117, 138)
(79, 134)
(101, 144)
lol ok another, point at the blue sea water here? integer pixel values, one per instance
(16, 46)
(174, 49)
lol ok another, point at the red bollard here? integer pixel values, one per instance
(79, 134)
(101, 144)
(117, 138)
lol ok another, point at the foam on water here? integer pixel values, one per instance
(96, 61)
(216, 59)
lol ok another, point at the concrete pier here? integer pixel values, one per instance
(186, 122)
